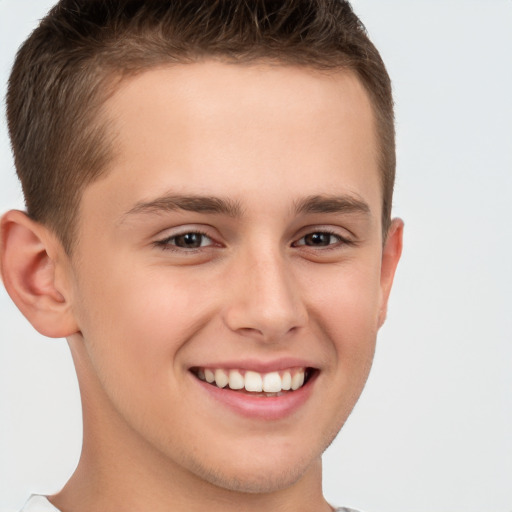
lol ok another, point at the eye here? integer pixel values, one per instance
(190, 240)
(319, 239)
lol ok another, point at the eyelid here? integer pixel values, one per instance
(163, 242)
(169, 238)
(336, 235)
(342, 235)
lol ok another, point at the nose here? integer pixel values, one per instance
(266, 302)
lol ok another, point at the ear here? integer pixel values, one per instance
(391, 253)
(33, 267)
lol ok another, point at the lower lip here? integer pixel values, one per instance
(258, 407)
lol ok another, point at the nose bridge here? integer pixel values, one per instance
(267, 301)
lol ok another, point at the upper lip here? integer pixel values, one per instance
(258, 365)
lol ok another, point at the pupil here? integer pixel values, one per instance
(189, 240)
(318, 239)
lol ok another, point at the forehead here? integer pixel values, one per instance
(222, 129)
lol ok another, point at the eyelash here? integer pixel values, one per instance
(166, 245)
(340, 240)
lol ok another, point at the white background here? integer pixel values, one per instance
(433, 430)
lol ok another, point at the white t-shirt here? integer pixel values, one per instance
(38, 503)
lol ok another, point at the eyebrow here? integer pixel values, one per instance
(332, 204)
(192, 203)
(344, 204)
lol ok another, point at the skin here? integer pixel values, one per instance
(139, 311)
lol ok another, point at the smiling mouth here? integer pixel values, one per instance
(271, 384)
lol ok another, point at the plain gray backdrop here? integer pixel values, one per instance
(432, 431)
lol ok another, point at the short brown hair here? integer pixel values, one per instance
(73, 61)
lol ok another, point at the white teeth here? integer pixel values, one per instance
(221, 378)
(297, 380)
(272, 382)
(236, 380)
(286, 381)
(253, 382)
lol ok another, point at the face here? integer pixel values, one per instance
(236, 237)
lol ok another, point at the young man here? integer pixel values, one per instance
(208, 189)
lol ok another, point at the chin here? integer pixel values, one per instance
(260, 470)
(261, 479)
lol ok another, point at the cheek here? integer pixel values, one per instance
(135, 323)
(345, 306)
(134, 326)
(349, 295)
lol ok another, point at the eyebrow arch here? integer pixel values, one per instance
(192, 203)
(332, 204)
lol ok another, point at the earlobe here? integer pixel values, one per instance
(29, 265)
(391, 253)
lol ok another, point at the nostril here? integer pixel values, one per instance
(249, 331)
(268, 334)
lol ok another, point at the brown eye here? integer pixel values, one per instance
(319, 239)
(190, 240)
